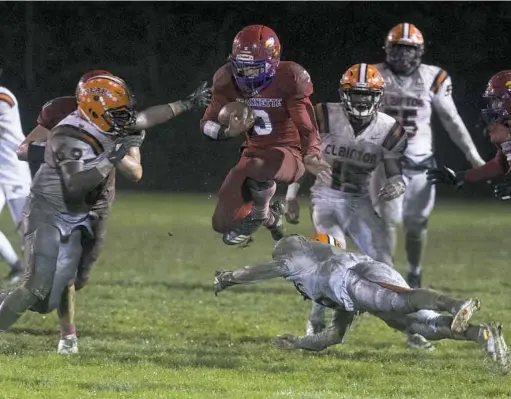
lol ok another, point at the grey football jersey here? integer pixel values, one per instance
(82, 142)
(317, 270)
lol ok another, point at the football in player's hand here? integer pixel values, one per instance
(236, 108)
(238, 117)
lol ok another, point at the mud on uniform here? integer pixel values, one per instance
(348, 283)
(284, 131)
(56, 220)
(52, 113)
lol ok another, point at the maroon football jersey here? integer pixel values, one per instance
(55, 110)
(284, 114)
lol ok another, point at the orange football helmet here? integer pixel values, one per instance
(107, 103)
(88, 75)
(362, 87)
(327, 239)
(404, 46)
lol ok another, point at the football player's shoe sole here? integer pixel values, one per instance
(462, 317)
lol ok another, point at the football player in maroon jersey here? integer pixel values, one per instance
(281, 140)
(497, 116)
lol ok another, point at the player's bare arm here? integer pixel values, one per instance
(159, 114)
(130, 166)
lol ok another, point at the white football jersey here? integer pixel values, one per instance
(411, 99)
(354, 157)
(13, 172)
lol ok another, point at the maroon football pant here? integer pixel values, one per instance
(281, 164)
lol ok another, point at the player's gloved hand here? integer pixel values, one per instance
(445, 175)
(223, 280)
(238, 126)
(502, 190)
(314, 164)
(122, 145)
(200, 98)
(392, 190)
(286, 341)
(292, 213)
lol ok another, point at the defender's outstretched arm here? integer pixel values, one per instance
(250, 274)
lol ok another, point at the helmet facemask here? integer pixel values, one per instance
(361, 104)
(122, 120)
(403, 59)
(252, 76)
(496, 110)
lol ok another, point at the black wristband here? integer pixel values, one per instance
(35, 152)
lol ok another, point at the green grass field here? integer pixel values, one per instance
(150, 327)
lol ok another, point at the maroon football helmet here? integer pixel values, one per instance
(498, 98)
(255, 57)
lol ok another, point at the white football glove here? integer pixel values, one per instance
(394, 188)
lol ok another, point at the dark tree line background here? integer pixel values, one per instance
(164, 49)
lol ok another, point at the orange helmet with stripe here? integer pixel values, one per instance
(361, 90)
(106, 102)
(89, 75)
(327, 239)
(404, 46)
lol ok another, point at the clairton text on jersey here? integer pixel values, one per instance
(397, 101)
(261, 102)
(350, 153)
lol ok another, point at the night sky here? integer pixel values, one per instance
(163, 50)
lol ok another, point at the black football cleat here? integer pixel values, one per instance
(242, 234)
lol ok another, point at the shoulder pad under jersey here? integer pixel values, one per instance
(384, 70)
(434, 76)
(6, 96)
(74, 144)
(223, 76)
(295, 80)
(395, 132)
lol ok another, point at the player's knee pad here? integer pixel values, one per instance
(414, 227)
(259, 185)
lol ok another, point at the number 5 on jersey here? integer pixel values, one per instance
(262, 126)
(406, 117)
